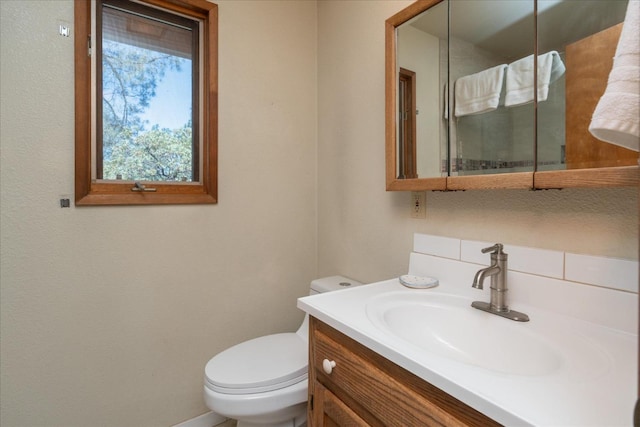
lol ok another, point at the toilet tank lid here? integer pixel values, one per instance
(333, 283)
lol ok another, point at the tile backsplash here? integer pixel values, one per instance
(600, 271)
(613, 273)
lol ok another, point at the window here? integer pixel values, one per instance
(146, 102)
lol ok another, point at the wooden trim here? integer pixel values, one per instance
(96, 49)
(120, 194)
(390, 103)
(195, 103)
(516, 180)
(626, 176)
(89, 193)
(392, 183)
(418, 184)
(82, 13)
(200, 9)
(210, 100)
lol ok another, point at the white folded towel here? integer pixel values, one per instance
(616, 118)
(520, 78)
(480, 92)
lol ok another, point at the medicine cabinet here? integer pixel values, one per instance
(461, 112)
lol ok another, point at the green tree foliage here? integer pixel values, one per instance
(131, 150)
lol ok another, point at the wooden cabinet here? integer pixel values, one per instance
(365, 389)
(546, 146)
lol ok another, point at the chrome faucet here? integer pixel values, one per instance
(498, 272)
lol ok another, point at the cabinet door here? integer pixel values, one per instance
(492, 120)
(329, 411)
(589, 62)
(363, 388)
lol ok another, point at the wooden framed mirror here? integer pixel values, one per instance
(416, 142)
(585, 36)
(430, 145)
(491, 131)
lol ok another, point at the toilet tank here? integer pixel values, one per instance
(332, 283)
(319, 286)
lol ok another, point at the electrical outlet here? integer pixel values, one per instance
(418, 204)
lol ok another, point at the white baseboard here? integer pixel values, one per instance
(209, 419)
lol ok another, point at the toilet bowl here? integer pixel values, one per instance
(264, 381)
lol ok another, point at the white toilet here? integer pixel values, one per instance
(263, 381)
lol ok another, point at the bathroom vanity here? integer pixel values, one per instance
(365, 389)
(386, 355)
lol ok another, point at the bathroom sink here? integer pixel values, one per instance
(448, 327)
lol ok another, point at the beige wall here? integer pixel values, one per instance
(365, 231)
(109, 314)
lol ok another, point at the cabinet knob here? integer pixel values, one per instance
(328, 365)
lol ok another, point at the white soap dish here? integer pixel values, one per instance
(418, 282)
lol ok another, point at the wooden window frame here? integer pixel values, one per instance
(91, 192)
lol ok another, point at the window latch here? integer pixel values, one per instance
(140, 187)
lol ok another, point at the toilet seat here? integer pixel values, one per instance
(259, 365)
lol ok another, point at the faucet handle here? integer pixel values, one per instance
(495, 249)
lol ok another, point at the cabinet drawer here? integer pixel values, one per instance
(379, 391)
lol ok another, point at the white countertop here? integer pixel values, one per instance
(574, 394)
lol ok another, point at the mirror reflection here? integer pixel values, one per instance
(585, 34)
(491, 49)
(465, 100)
(421, 69)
